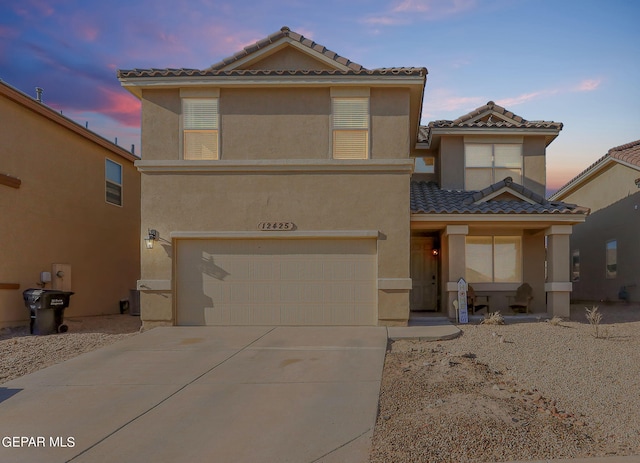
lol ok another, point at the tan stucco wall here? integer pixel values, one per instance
(276, 123)
(534, 164)
(59, 215)
(452, 163)
(160, 122)
(390, 137)
(313, 201)
(610, 186)
(288, 58)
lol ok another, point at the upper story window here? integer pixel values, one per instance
(200, 123)
(113, 180)
(350, 111)
(488, 163)
(201, 128)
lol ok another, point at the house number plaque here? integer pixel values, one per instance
(276, 226)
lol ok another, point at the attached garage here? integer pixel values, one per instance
(284, 281)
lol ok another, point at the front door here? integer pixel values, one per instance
(424, 274)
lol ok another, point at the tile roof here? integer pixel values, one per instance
(275, 37)
(429, 198)
(490, 115)
(217, 69)
(628, 153)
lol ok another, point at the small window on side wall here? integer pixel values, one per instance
(425, 165)
(611, 259)
(113, 180)
(575, 265)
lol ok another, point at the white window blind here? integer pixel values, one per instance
(200, 124)
(487, 163)
(350, 128)
(493, 259)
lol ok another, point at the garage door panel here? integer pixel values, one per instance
(276, 282)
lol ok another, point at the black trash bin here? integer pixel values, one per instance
(46, 307)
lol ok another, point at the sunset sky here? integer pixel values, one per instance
(571, 61)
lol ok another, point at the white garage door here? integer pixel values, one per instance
(276, 282)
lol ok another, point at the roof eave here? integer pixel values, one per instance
(135, 85)
(40, 108)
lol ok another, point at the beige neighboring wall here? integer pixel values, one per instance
(612, 185)
(59, 215)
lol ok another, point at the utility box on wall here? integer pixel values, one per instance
(61, 277)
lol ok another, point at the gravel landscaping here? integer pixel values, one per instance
(521, 391)
(23, 354)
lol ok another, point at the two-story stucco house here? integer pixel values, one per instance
(70, 207)
(281, 184)
(605, 250)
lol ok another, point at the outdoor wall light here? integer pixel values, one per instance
(435, 252)
(152, 236)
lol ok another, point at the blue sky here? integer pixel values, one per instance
(572, 61)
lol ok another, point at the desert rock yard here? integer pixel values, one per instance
(519, 391)
(23, 354)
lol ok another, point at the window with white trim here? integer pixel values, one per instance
(113, 182)
(489, 163)
(200, 123)
(350, 127)
(611, 259)
(493, 259)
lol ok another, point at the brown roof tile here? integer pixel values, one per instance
(216, 69)
(470, 120)
(282, 33)
(429, 198)
(629, 153)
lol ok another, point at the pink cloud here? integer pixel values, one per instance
(588, 85)
(523, 98)
(120, 106)
(407, 11)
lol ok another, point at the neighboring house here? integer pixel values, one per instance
(605, 250)
(280, 183)
(70, 203)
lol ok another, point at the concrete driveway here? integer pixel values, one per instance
(191, 394)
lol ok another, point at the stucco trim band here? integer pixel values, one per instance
(154, 285)
(364, 166)
(395, 283)
(512, 219)
(283, 235)
(558, 286)
(453, 286)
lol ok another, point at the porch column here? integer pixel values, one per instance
(454, 241)
(558, 286)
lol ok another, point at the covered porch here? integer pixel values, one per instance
(496, 246)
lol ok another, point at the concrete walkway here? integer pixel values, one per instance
(191, 394)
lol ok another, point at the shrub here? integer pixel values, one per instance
(493, 318)
(594, 317)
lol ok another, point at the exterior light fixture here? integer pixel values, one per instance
(435, 252)
(153, 235)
